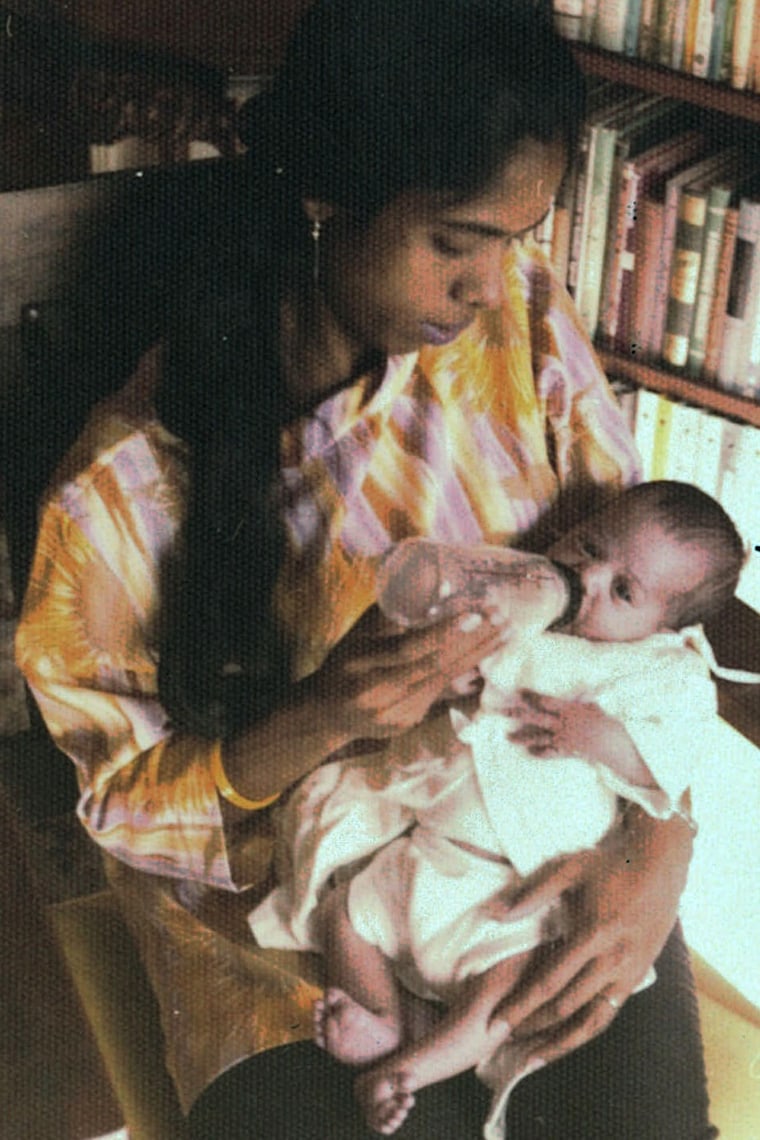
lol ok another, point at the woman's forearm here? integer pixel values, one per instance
(271, 755)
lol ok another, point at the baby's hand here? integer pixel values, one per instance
(555, 726)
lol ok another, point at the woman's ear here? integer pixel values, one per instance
(318, 211)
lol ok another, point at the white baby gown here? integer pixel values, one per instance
(392, 823)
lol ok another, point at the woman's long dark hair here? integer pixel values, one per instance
(373, 98)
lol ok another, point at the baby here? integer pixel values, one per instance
(396, 869)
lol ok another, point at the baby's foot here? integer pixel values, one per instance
(350, 1032)
(385, 1096)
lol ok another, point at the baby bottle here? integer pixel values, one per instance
(420, 581)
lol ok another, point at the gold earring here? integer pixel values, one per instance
(316, 230)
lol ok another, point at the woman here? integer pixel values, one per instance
(364, 351)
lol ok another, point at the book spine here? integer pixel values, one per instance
(632, 28)
(754, 57)
(742, 43)
(684, 276)
(648, 238)
(592, 261)
(703, 29)
(724, 73)
(708, 275)
(679, 34)
(588, 20)
(661, 444)
(618, 259)
(718, 308)
(706, 474)
(739, 304)
(646, 428)
(609, 28)
(648, 30)
(568, 18)
(717, 40)
(680, 459)
(581, 190)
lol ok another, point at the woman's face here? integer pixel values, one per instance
(423, 267)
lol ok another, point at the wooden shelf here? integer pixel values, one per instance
(649, 376)
(664, 81)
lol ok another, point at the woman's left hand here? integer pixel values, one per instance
(622, 900)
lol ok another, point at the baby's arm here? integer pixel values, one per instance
(555, 726)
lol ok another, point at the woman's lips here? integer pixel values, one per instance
(441, 334)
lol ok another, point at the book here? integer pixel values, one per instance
(684, 442)
(718, 202)
(741, 43)
(686, 263)
(650, 218)
(648, 27)
(655, 328)
(753, 79)
(699, 37)
(648, 117)
(568, 18)
(718, 307)
(661, 443)
(587, 20)
(590, 185)
(707, 456)
(671, 32)
(743, 303)
(610, 24)
(637, 179)
(740, 458)
(645, 429)
(600, 100)
(724, 71)
(721, 31)
(632, 28)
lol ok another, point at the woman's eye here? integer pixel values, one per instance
(448, 247)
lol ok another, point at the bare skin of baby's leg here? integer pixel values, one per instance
(457, 1042)
(359, 1020)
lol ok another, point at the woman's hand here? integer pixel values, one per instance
(378, 681)
(382, 679)
(622, 899)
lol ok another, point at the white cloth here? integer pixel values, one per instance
(426, 902)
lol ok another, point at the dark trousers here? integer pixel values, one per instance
(643, 1079)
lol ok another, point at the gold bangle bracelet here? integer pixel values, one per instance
(225, 788)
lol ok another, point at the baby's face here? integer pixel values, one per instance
(631, 570)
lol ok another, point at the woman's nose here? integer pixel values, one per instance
(482, 286)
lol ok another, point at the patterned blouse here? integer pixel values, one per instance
(463, 443)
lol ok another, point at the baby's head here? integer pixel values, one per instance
(660, 556)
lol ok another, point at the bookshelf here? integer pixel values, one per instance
(681, 387)
(718, 100)
(712, 96)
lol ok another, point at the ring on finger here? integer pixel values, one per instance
(613, 1001)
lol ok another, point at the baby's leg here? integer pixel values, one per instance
(458, 1041)
(359, 1018)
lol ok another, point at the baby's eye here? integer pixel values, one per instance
(623, 590)
(588, 547)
